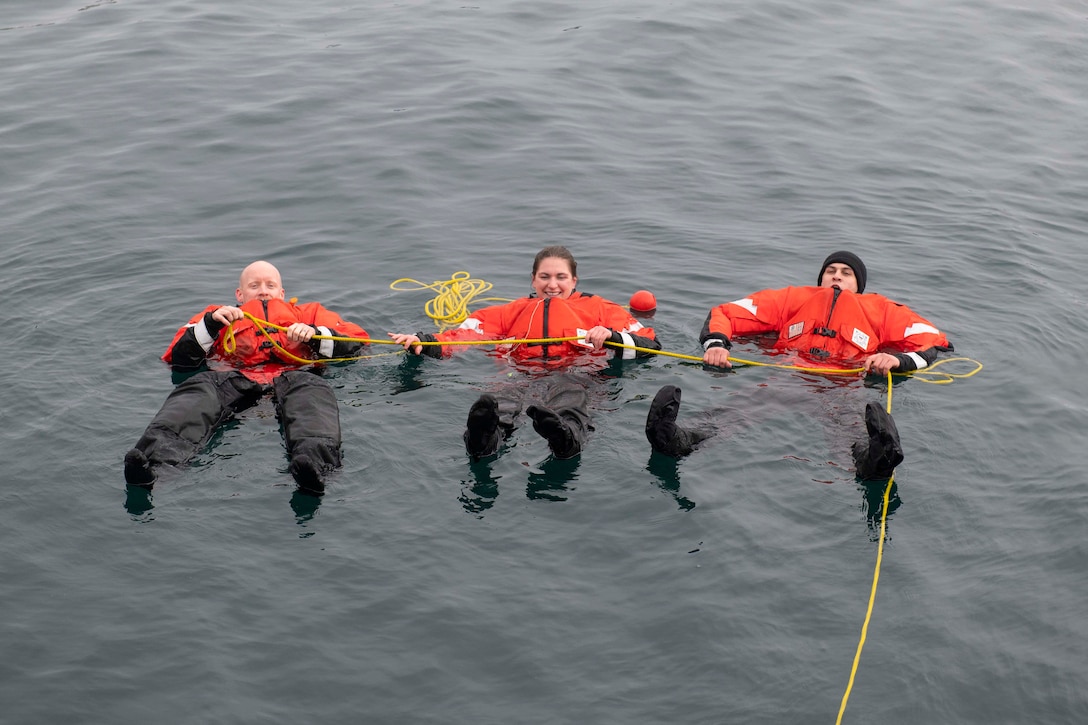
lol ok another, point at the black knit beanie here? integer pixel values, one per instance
(850, 259)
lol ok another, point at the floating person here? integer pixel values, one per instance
(832, 324)
(247, 365)
(556, 395)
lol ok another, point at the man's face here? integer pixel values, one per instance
(259, 281)
(839, 275)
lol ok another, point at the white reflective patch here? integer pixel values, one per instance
(203, 337)
(627, 352)
(471, 324)
(919, 361)
(795, 329)
(860, 339)
(582, 334)
(918, 328)
(746, 303)
(325, 348)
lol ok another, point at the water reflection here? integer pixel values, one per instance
(407, 375)
(550, 482)
(138, 501)
(873, 503)
(305, 505)
(479, 494)
(667, 471)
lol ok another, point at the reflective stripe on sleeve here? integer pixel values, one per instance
(919, 361)
(325, 349)
(747, 303)
(203, 337)
(920, 327)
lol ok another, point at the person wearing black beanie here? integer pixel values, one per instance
(852, 261)
(829, 325)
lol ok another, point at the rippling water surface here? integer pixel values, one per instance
(702, 150)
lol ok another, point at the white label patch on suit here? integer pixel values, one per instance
(795, 329)
(582, 334)
(860, 339)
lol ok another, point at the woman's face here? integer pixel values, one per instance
(553, 278)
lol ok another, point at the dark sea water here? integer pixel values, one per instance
(701, 150)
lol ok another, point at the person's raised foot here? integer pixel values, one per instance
(482, 428)
(878, 456)
(138, 469)
(661, 420)
(664, 435)
(561, 440)
(306, 474)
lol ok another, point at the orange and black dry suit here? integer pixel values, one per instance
(534, 318)
(829, 327)
(305, 403)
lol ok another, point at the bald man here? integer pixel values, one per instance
(237, 361)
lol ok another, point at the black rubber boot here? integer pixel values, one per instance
(878, 456)
(307, 409)
(561, 438)
(661, 430)
(307, 475)
(186, 421)
(482, 428)
(138, 469)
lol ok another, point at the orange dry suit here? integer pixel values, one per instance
(829, 327)
(305, 403)
(562, 393)
(204, 338)
(534, 318)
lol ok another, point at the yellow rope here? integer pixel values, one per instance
(922, 375)
(229, 344)
(876, 577)
(449, 307)
(264, 325)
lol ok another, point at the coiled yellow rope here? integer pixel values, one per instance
(449, 307)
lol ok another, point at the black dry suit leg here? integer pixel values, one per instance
(191, 413)
(564, 418)
(306, 405)
(661, 430)
(878, 455)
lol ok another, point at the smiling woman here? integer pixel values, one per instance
(555, 310)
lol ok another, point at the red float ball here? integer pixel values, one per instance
(643, 301)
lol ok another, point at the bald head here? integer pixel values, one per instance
(259, 281)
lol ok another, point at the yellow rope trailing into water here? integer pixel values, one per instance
(449, 307)
(876, 578)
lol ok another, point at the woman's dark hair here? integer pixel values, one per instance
(559, 252)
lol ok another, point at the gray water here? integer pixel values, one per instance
(701, 150)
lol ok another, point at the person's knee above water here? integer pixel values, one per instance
(248, 355)
(833, 324)
(555, 309)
